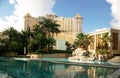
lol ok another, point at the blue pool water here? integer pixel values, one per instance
(55, 68)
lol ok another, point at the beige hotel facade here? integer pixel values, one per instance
(115, 44)
(70, 26)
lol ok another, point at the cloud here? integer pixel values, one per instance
(102, 29)
(115, 8)
(21, 7)
(11, 1)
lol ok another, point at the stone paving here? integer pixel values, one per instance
(115, 59)
(115, 74)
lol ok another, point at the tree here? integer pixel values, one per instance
(50, 27)
(103, 46)
(87, 40)
(39, 35)
(54, 28)
(11, 33)
(106, 40)
(26, 36)
(79, 40)
(38, 40)
(43, 34)
(3, 45)
(83, 40)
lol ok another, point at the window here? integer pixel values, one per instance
(92, 43)
(98, 39)
(115, 41)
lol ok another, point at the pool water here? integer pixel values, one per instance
(46, 68)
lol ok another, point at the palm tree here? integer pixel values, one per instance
(103, 47)
(38, 35)
(79, 40)
(43, 33)
(26, 36)
(3, 46)
(54, 28)
(106, 39)
(69, 46)
(83, 40)
(10, 33)
(87, 40)
(50, 27)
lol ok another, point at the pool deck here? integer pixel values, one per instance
(115, 74)
(115, 59)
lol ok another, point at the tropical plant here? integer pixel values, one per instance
(106, 40)
(11, 33)
(87, 40)
(3, 45)
(83, 40)
(103, 46)
(79, 40)
(39, 35)
(69, 46)
(26, 37)
(49, 27)
(50, 41)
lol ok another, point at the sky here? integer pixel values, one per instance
(97, 14)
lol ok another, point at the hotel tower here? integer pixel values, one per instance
(70, 26)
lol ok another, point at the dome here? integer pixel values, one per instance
(27, 15)
(78, 15)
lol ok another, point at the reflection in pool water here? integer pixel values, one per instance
(11, 68)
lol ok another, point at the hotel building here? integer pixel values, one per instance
(70, 26)
(114, 33)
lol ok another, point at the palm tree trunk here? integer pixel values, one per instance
(9, 45)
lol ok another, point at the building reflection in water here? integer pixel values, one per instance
(74, 71)
(40, 69)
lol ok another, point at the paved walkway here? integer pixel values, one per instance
(116, 59)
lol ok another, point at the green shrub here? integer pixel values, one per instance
(42, 51)
(10, 54)
(61, 51)
(102, 51)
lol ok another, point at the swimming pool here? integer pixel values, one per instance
(54, 68)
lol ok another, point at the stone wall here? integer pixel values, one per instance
(57, 55)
